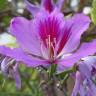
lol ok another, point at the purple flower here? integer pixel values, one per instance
(9, 69)
(85, 77)
(47, 5)
(49, 38)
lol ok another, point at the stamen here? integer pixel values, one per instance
(50, 45)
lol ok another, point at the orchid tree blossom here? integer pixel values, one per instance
(47, 5)
(49, 39)
(85, 77)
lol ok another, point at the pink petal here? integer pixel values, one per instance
(22, 29)
(78, 24)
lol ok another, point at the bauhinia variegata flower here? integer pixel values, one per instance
(49, 37)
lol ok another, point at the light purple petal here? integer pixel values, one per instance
(85, 50)
(84, 70)
(82, 91)
(92, 88)
(26, 58)
(60, 4)
(16, 76)
(78, 23)
(90, 61)
(32, 8)
(4, 67)
(22, 29)
(77, 84)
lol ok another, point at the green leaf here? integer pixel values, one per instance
(3, 4)
(93, 12)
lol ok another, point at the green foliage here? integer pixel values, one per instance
(30, 84)
(93, 12)
(3, 4)
(6, 20)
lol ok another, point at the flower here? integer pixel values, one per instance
(49, 38)
(9, 69)
(85, 77)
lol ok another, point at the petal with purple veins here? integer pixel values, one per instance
(76, 31)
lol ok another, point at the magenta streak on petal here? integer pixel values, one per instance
(49, 32)
(48, 5)
(50, 27)
(65, 37)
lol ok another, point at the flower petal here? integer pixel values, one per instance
(22, 29)
(77, 84)
(19, 55)
(84, 70)
(60, 4)
(33, 9)
(90, 61)
(78, 23)
(81, 53)
(16, 76)
(92, 88)
(48, 5)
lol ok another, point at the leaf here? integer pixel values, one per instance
(93, 12)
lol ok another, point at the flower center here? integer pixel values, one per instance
(50, 44)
